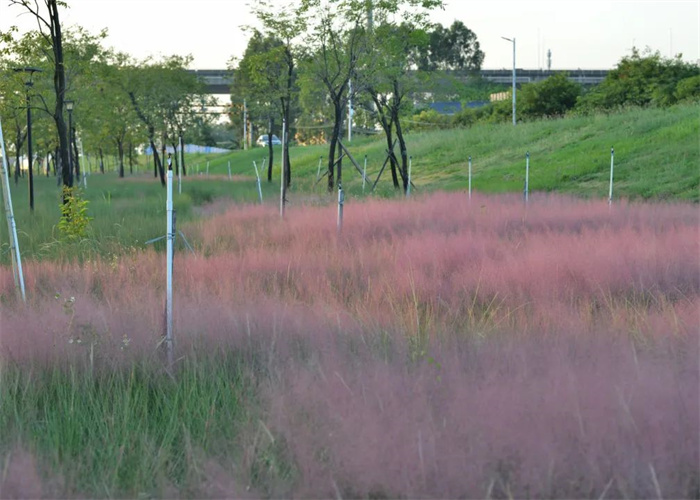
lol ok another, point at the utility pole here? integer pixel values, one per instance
(513, 42)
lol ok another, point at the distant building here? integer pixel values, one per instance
(500, 96)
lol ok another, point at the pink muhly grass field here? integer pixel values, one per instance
(437, 348)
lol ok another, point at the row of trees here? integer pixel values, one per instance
(313, 58)
(118, 103)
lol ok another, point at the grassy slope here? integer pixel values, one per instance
(657, 156)
(657, 153)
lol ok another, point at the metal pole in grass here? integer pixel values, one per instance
(612, 166)
(341, 202)
(258, 176)
(169, 251)
(282, 183)
(245, 125)
(182, 165)
(527, 175)
(470, 177)
(11, 225)
(229, 170)
(408, 188)
(318, 172)
(364, 175)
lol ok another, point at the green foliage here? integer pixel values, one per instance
(127, 432)
(688, 89)
(453, 48)
(641, 80)
(551, 97)
(75, 222)
(429, 119)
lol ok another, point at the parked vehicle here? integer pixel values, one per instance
(263, 141)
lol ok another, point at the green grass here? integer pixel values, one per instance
(129, 432)
(657, 157)
(138, 432)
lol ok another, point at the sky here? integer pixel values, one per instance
(592, 34)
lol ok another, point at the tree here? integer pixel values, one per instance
(257, 76)
(453, 48)
(640, 80)
(155, 90)
(390, 82)
(553, 96)
(337, 43)
(13, 111)
(390, 70)
(50, 29)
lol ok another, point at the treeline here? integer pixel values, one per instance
(108, 105)
(317, 64)
(640, 79)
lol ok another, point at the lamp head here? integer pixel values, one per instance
(69, 105)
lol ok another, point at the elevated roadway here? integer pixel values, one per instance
(218, 81)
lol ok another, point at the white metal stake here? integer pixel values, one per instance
(169, 271)
(350, 111)
(408, 188)
(229, 170)
(318, 172)
(341, 202)
(612, 165)
(258, 176)
(470, 177)
(364, 175)
(282, 186)
(527, 174)
(11, 225)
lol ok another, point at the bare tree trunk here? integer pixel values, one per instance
(386, 124)
(131, 158)
(285, 147)
(177, 160)
(120, 153)
(17, 164)
(335, 137)
(156, 161)
(270, 152)
(102, 161)
(404, 155)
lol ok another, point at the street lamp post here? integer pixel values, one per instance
(69, 107)
(29, 85)
(513, 41)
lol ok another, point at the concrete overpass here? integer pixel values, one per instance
(218, 81)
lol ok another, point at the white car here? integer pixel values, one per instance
(263, 141)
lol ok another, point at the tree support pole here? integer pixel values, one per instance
(11, 225)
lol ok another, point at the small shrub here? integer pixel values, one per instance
(75, 222)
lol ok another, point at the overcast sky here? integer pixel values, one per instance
(591, 34)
